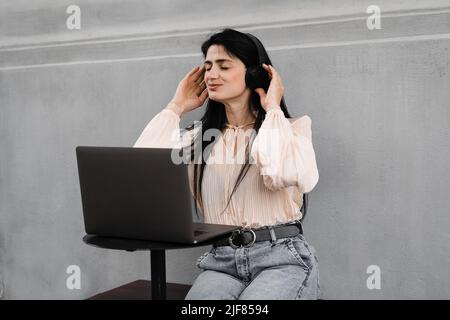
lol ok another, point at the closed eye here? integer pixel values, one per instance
(220, 68)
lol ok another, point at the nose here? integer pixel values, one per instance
(212, 74)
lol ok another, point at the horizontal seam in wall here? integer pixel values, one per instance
(267, 26)
(443, 36)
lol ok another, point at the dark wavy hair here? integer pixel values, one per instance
(238, 45)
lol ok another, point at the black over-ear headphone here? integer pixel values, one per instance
(256, 76)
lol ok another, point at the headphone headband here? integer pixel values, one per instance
(259, 47)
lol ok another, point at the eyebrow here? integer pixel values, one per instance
(218, 61)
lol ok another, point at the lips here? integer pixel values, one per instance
(214, 87)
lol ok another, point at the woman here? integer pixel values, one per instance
(268, 258)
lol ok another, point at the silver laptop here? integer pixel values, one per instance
(139, 193)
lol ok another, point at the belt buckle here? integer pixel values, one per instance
(239, 232)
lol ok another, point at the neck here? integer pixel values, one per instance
(238, 113)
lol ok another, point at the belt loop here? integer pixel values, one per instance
(300, 226)
(272, 235)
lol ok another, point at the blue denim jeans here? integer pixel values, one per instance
(286, 269)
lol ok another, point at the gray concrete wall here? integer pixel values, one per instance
(378, 100)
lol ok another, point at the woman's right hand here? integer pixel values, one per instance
(191, 92)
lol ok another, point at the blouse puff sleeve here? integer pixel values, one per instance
(163, 131)
(284, 153)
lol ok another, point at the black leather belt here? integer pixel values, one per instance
(247, 237)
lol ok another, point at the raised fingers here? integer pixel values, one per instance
(198, 75)
(191, 73)
(269, 68)
(201, 87)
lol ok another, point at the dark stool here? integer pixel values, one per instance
(157, 256)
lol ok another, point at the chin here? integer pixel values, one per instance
(214, 96)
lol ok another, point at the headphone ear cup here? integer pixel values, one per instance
(257, 77)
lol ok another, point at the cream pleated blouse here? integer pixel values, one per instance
(283, 168)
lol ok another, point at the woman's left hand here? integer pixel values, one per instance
(275, 91)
